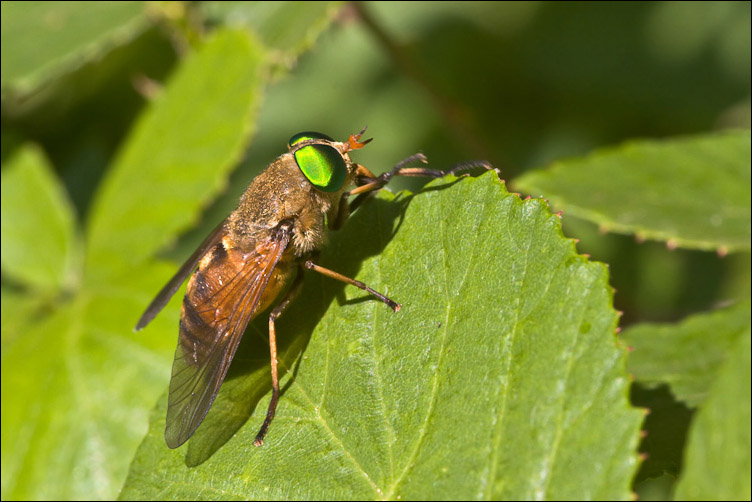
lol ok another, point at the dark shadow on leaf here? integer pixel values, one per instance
(445, 184)
(354, 301)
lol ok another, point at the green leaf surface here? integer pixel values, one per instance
(499, 378)
(18, 309)
(287, 28)
(76, 388)
(718, 452)
(77, 385)
(687, 355)
(691, 192)
(40, 39)
(196, 130)
(658, 488)
(37, 235)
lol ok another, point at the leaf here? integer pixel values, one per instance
(686, 356)
(691, 357)
(499, 378)
(41, 39)
(288, 28)
(39, 246)
(658, 488)
(76, 389)
(178, 156)
(718, 452)
(692, 192)
(77, 383)
(18, 310)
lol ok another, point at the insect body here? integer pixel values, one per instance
(251, 258)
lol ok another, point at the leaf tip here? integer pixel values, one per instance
(671, 244)
(722, 251)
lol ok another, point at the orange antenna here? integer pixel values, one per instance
(354, 141)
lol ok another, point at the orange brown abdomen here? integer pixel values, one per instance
(221, 290)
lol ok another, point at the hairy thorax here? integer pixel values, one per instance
(282, 192)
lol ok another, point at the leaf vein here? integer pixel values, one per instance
(434, 390)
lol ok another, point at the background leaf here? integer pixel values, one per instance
(73, 415)
(718, 459)
(39, 243)
(693, 192)
(686, 356)
(496, 376)
(198, 131)
(285, 28)
(43, 38)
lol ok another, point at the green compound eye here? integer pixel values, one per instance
(322, 165)
(306, 135)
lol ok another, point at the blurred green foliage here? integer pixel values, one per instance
(519, 84)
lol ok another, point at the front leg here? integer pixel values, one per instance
(368, 183)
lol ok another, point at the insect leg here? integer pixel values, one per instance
(273, 316)
(369, 183)
(334, 275)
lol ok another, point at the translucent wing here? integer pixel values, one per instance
(174, 284)
(223, 295)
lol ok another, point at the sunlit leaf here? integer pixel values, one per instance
(77, 383)
(39, 244)
(76, 389)
(691, 192)
(179, 154)
(499, 378)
